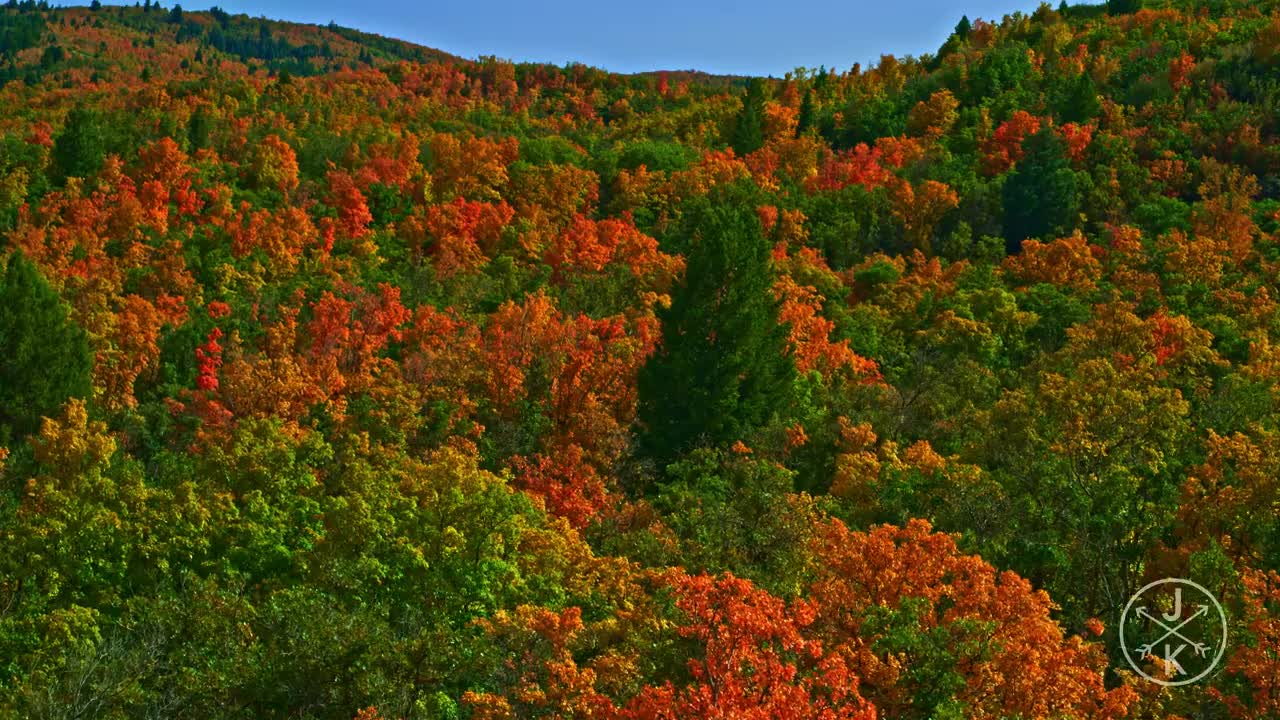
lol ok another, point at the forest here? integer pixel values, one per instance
(343, 378)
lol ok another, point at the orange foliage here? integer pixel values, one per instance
(1068, 263)
(809, 334)
(1032, 670)
(860, 166)
(1004, 148)
(471, 167)
(465, 233)
(353, 212)
(756, 660)
(1257, 662)
(566, 482)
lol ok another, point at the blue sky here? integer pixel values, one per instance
(757, 37)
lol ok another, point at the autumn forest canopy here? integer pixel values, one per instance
(344, 378)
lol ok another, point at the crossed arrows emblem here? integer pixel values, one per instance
(1170, 658)
(1177, 630)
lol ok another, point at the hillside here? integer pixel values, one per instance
(344, 378)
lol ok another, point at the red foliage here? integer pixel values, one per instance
(567, 483)
(1004, 148)
(860, 166)
(465, 233)
(756, 661)
(208, 361)
(353, 212)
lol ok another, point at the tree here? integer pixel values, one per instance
(1042, 194)
(200, 125)
(756, 660)
(46, 356)
(933, 632)
(808, 116)
(1080, 102)
(723, 368)
(964, 27)
(1123, 7)
(748, 129)
(78, 150)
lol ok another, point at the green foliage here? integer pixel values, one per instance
(46, 355)
(1042, 193)
(722, 370)
(1123, 7)
(748, 128)
(79, 149)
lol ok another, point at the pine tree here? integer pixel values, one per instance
(78, 150)
(1042, 194)
(198, 129)
(807, 118)
(46, 357)
(964, 27)
(723, 368)
(1081, 104)
(748, 131)
(1123, 7)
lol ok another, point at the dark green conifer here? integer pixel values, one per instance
(723, 368)
(748, 130)
(46, 357)
(78, 150)
(1042, 194)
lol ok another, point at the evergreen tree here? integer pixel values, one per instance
(748, 131)
(46, 357)
(1123, 7)
(1080, 103)
(807, 119)
(1042, 194)
(78, 150)
(964, 27)
(723, 368)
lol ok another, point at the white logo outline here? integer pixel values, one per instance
(1165, 621)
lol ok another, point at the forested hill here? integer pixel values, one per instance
(341, 377)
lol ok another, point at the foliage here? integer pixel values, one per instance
(342, 377)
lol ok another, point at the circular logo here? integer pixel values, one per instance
(1175, 627)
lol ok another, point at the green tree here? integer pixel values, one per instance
(748, 130)
(723, 368)
(1080, 102)
(807, 117)
(78, 150)
(964, 27)
(46, 356)
(1042, 194)
(199, 128)
(1123, 7)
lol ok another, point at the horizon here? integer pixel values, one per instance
(753, 39)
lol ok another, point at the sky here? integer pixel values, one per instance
(747, 37)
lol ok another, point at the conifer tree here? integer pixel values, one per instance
(806, 119)
(78, 150)
(1042, 194)
(46, 357)
(748, 131)
(723, 368)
